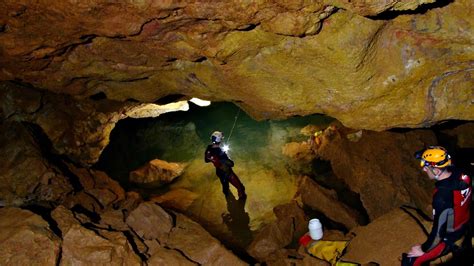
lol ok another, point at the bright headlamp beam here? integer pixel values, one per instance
(225, 148)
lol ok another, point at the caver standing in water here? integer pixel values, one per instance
(223, 165)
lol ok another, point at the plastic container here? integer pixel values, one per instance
(315, 229)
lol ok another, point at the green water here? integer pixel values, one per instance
(183, 136)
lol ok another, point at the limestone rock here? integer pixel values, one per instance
(84, 201)
(157, 171)
(150, 221)
(26, 239)
(64, 218)
(385, 239)
(163, 257)
(275, 59)
(299, 151)
(25, 175)
(84, 247)
(198, 245)
(178, 199)
(114, 219)
(78, 129)
(132, 200)
(291, 223)
(381, 166)
(373, 8)
(326, 202)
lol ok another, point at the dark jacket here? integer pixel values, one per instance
(451, 210)
(219, 158)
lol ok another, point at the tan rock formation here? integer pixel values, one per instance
(380, 168)
(26, 239)
(163, 257)
(64, 218)
(198, 245)
(385, 239)
(84, 247)
(25, 175)
(291, 223)
(326, 202)
(77, 129)
(150, 221)
(275, 58)
(178, 199)
(300, 151)
(99, 185)
(157, 172)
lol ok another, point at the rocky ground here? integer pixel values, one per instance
(59, 212)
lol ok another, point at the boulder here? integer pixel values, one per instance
(291, 223)
(158, 172)
(150, 221)
(178, 199)
(326, 202)
(26, 239)
(385, 239)
(198, 245)
(82, 246)
(99, 185)
(64, 218)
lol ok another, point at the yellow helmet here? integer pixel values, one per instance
(435, 156)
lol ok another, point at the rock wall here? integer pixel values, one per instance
(370, 64)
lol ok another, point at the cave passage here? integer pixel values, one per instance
(255, 147)
(183, 137)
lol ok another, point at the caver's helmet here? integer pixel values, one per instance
(434, 156)
(217, 137)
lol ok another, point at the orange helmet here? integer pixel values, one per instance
(434, 156)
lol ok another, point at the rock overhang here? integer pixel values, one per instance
(274, 59)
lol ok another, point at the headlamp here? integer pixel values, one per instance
(225, 148)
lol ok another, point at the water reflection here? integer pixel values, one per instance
(237, 220)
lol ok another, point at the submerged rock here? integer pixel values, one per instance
(157, 172)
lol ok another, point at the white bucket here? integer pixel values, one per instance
(315, 229)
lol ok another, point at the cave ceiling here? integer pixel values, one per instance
(375, 64)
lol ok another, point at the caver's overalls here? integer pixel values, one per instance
(224, 170)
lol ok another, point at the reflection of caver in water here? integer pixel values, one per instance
(451, 204)
(223, 165)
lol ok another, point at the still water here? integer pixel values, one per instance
(183, 136)
(269, 176)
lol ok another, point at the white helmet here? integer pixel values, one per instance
(217, 137)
